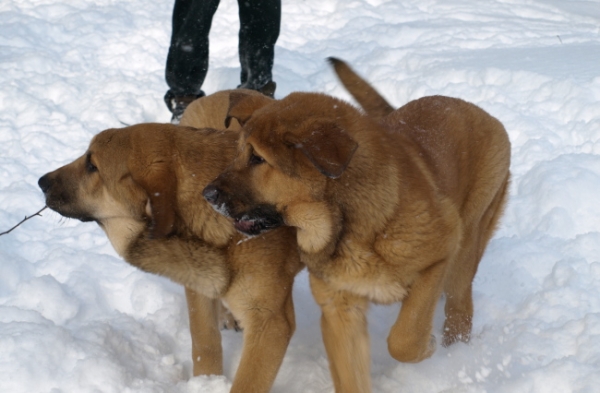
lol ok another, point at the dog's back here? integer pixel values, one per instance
(458, 141)
(211, 111)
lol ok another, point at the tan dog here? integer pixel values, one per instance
(388, 208)
(142, 185)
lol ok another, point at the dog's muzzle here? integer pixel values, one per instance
(251, 222)
(44, 183)
(215, 197)
(59, 200)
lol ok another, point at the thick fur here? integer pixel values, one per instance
(367, 97)
(388, 208)
(142, 185)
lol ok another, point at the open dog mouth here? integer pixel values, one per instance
(260, 219)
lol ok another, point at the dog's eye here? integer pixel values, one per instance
(255, 160)
(89, 167)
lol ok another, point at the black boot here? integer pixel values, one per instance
(259, 29)
(177, 104)
(267, 89)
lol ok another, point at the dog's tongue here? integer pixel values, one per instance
(244, 225)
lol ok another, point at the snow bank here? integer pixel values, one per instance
(75, 318)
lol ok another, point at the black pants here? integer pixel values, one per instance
(187, 61)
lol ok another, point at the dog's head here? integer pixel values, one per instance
(124, 180)
(289, 150)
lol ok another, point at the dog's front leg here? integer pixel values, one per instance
(191, 262)
(267, 333)
(207, 352)
(410, 338)
(345, 335)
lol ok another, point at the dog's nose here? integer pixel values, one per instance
(44, 183)
(211, 193)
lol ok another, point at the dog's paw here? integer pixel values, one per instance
(457, 329)
(227, 321)
(412, 353)
(430, 348)
(427, 351)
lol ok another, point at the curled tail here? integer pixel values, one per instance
(368, 98)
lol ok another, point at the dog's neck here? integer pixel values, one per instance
(121, 231)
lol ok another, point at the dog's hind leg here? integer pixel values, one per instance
(345, 335)
(458, 289)
(207, 353)
(458, 283)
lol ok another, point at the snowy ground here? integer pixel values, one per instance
(75, 318)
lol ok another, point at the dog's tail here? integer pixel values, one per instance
(368, 98)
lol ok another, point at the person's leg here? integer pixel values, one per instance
(187, 60)
(259, 29)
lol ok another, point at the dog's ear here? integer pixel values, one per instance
(156, 177)
(243, 105)
(328, 147)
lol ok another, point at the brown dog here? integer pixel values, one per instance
(142, 185)
(389, 207)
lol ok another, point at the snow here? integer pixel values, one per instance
(75, 318)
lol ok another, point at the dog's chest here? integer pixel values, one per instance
(382, 270)
(363, 272)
